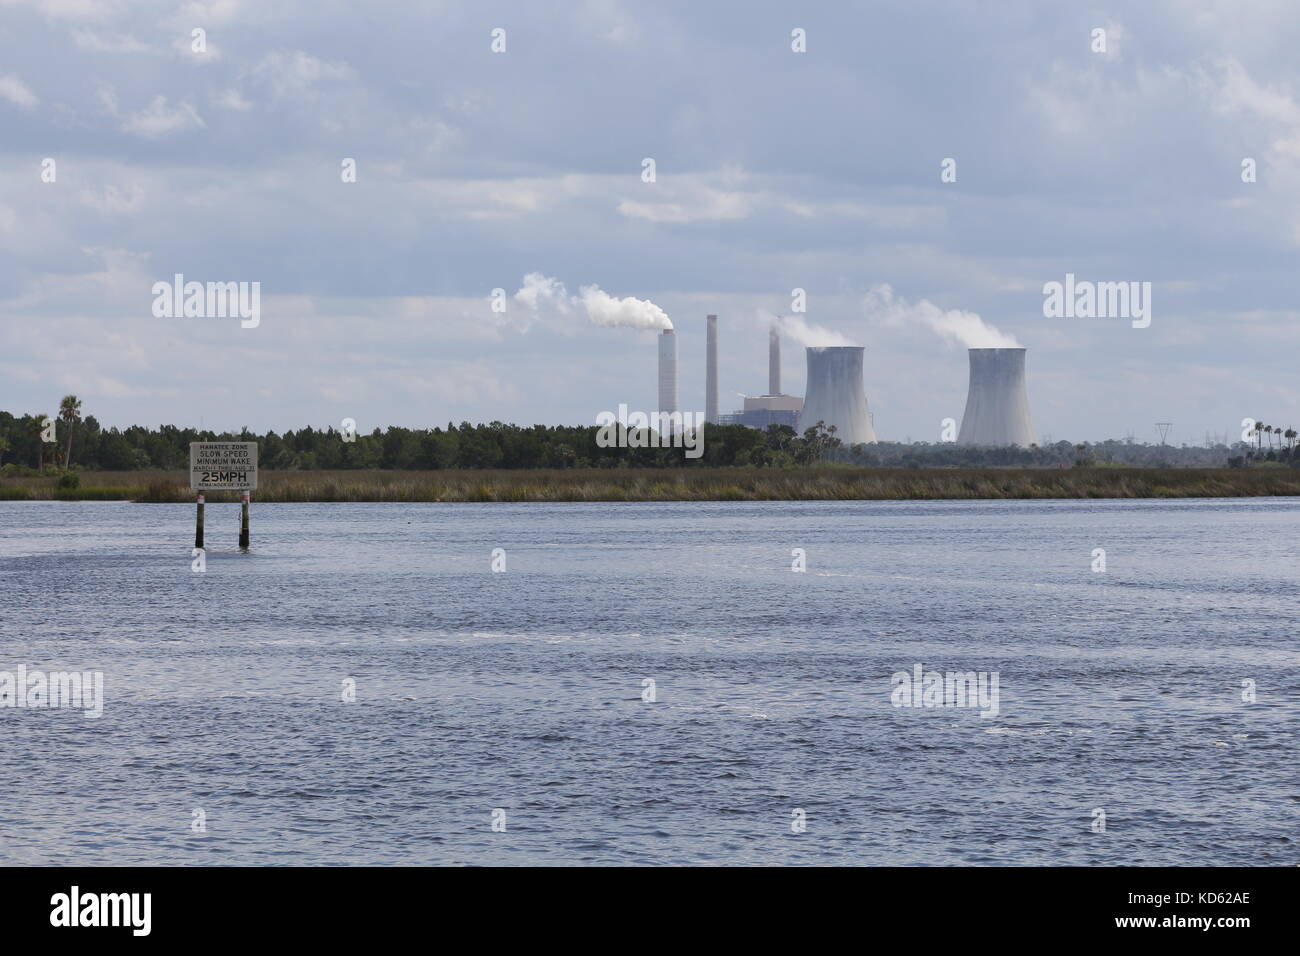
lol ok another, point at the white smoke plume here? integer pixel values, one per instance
(964, 328)
(605, 309)
(804, 332)
(545, 296)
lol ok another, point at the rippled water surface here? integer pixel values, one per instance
(523, 690)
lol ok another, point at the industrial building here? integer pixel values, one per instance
(774, 408)
(835, 394)
(668, 372)
(711, 369)
(997, 406)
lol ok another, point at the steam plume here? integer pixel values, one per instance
(546, 296)
(964, 328)
(804, 332)
(605, 309)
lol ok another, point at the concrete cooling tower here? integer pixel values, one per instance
(668, 371)
(835, 394)
(997, 408)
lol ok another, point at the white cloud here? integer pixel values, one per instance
(113, 201)
(1234, 91)
(231, 99)
(109, 42)
(68, 9)
(295, 75)
(17, 92)
(155, 120)
(715, 205)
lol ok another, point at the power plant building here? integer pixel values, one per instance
(668, 372)
(711, 369)
(763, 410)
(997, 406)
(774, 408)
(835, 394)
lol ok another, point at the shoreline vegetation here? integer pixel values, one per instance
(811, 483)
(69, 457)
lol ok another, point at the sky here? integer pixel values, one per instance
(775, 170)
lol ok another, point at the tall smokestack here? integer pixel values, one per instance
(997, 408)
(668, 371)
(711, 369)
(773, 362)
(835, 394)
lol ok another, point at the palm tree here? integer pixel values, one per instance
(70, 414)
(1259, 433)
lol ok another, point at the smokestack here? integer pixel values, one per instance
(668, 371)
(835, 394)
(773, 362)
(997, 408)
(711, 369)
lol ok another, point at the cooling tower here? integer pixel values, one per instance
(835, 394)
(773, 362)
(668, 371)
(997, 408)
(711, 369)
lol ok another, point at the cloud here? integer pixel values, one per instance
(1233, 91)
(113, 201)
(295, 75)
(231, 99)
(109, 42)
(473, 171)
(156, 120)
(68, 9)
(17, 92)
(706, 204)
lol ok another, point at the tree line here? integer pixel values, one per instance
(67, 440)
(85, 444)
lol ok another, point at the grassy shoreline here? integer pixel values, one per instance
(829, 483)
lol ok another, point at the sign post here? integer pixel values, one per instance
(198, 524)
(224, 466)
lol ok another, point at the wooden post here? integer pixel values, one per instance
(198, 523)
(243, 524)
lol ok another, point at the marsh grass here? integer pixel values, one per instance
(829, 483)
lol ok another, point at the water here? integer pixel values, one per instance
(523, 690)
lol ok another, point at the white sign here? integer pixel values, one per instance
(223, 465)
